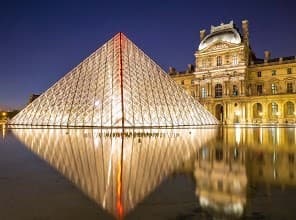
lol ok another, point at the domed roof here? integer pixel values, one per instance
(229, 35)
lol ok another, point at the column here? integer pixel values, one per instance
(243, 112)
(249, 112)
(225, 89)
(198, 90)
(242, 87)
(225, 113)
(281, 112)
(265, 112)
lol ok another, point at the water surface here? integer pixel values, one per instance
(210, 173)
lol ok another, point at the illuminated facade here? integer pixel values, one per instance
(116, 86)
(234, 85)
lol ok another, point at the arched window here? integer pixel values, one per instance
(218, 91)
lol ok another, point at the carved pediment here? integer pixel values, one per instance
(220, 46)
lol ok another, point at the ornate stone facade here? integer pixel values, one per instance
(235, 85)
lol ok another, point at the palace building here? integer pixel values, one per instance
(235, 85)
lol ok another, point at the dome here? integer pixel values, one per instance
(229, 35)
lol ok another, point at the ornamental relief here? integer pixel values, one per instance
(218, 46)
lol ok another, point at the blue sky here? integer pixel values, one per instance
(40, 41)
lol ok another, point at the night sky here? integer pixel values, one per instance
(40, 41)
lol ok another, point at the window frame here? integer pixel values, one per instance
(219, 60)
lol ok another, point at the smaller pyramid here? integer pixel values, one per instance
(116, 86)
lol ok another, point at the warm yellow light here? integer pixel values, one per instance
(278, 113)
(260, 113)
(237, 113)
(4, 113)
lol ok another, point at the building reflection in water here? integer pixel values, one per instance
(3, 130)
(120, 170)
(239, 158)
(221, 179)
(117, 170)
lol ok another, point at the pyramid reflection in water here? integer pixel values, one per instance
(116, 86)
(117, 170)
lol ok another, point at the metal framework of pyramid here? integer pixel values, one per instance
(116, 86)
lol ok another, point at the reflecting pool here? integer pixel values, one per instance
(209, 173)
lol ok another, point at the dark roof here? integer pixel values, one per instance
(273, 60)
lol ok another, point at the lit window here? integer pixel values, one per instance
(218, 91)
(219, 60)
(273, 72)
(289, 87)
(290, 108)
(203, 92)
(273, 88)
(289, 70)
(234, 60)
(235, 90)
(192, 82)
(259, 74)
(274, 108)
(259, 89)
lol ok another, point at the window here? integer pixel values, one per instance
(259, 74)
(273, 89)
(192, 82)
(289, 87)
(290, 108)
(234, 60)
(273, 72)
(289, 70)
(209, 62)
(259, 89)
(218, 91)
(235, 90)
(204, 63)
(203, 92)
(219, 154)
(219, 60)
(274, 108)
(182, 82)
(227, 59)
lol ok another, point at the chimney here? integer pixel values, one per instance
(172, 70)
(245, 28)
(202, 34)
(266, 56)
(190, 68)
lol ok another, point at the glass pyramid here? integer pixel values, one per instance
(116, 86)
